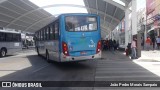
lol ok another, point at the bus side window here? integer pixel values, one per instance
(49, 33)
(52, 32)
(53, 28)
(9, 36)
(16, 37)
(37, 37)
(41, 35)
(2, 36)
(44, 34)
(19, 37)
(56, 31)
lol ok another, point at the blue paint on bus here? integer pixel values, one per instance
(78, 37)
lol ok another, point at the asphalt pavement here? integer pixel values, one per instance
(27, 66)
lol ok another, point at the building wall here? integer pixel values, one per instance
(155, 5)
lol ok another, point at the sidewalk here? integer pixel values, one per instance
(150, 60)
(150, 55)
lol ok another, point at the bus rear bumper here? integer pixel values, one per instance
(80, 58)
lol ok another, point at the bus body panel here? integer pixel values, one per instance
(77, 43)
(10, 41)
(51, 47)
(81, 45)
(79, 58)
(11, 47)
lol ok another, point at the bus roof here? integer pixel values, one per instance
(5, 31)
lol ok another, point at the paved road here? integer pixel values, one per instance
(27, 66)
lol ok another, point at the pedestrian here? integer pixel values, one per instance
(107, 42)
(117, 45)
(158, 42)
(148, 43)
(128, 50)
(104, 47)
(142, 42)
(114, 45)
(133, 47)
(153, 42)
(111, 46)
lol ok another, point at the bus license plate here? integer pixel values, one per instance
(83, 53)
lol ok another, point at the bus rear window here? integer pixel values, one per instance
(80, 23)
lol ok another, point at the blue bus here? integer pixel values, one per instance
(70, 37)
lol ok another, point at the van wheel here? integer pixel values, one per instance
(3, 53)
(47, 57)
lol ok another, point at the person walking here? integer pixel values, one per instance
(142, 43)
(104, 45)
(111, 46)
(153, 42)
(158, 42)
(133, 47)
(107, 46)
(114, 45)
(148, 43)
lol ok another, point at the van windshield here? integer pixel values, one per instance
(80, 23)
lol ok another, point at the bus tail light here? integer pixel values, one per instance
(98, 46)
(65, 49)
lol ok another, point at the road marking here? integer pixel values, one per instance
(40, 68)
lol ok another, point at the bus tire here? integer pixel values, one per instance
(3, 52)
(47, 57)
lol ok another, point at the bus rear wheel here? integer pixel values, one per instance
(3, 53)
